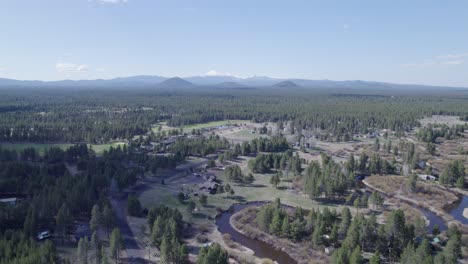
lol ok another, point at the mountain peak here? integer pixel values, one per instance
(286, 84)
(176, 82)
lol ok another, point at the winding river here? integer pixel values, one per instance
(265, 250)
(456, 210)
(260, 248)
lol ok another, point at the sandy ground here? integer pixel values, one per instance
(442, 120)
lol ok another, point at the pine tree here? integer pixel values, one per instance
(285, 229)
(345, 222)
(203, 200)
(334, 235)
(375, 259)
(104, 259)
(275, 226)
(115, 244)
(356, 256)
(317, 235)
(63, 220)
(82, 250)
(275, 180)
(96, 218)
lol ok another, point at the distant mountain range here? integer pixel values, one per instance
(225, 82)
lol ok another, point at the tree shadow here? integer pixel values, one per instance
(199, 215)
(237, 198)
(330, 201)
(251, 185)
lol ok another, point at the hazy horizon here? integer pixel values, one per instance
(420, 42)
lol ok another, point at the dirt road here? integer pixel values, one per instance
(133, 253)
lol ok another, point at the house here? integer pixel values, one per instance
(10, 201)
(426, 177)
(209, 185)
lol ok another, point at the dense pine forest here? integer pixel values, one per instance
(99, 116)
(206, 172)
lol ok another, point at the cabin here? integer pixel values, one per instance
(10, 201)
(209, 185)
(426, 177)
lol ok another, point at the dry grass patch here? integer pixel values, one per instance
(426, 194)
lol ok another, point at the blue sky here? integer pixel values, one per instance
(424, 42)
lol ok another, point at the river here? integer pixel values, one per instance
(456, 210)
(265, 250)
(261, 249)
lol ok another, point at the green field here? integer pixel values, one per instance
(189, 128)
(41, 147)
(259, 190)
(214, 124)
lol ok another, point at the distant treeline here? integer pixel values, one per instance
(98, 116)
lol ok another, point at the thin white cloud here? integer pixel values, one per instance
(346, 26)
(452, 62)
(67, 67)
(454, 56)
(2, 69)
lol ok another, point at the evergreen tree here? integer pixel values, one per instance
(375, 259)
(115, 244)
(356, 256)
(345, 222)
(275, 180)
(63, 220)
(285, 228)
(133, 206)
(213, 254)
(203, 200)
(82, 250)
(108, 218)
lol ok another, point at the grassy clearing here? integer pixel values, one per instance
(164, 127)
(189, 128)
(245, 134)
(260, 190)
(214, 124)
(99, 148)
(41, 147)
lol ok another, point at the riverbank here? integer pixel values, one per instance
(434, 202)
(244, 223)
